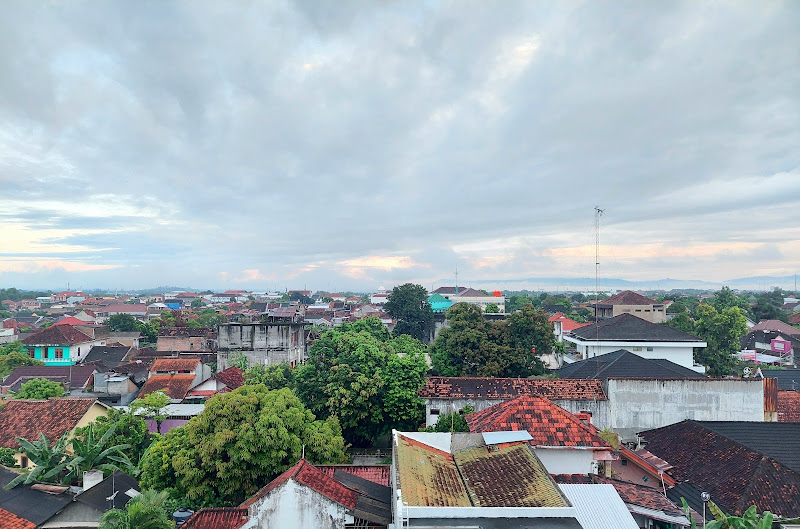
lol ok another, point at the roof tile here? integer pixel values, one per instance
(305, 473)
(789, 406)
(175, 364)
(57, 335)
(29, 418)
(10, 520)
(628, 297)
(217, 518)
(509, 388)
(175, 386)
(233, 377)
(548, 424)
(379, 474)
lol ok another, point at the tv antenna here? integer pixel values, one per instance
(597, 214)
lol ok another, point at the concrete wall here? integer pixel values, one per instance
(673, 351)
(294, 505)
(565, 460)
(652, 313)
(598, 409)
(636, 405)
(262, 343)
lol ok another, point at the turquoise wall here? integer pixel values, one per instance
(47, 354)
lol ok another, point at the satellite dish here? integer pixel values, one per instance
(747, 372)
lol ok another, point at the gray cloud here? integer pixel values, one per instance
(269, 143)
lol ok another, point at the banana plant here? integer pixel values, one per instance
(749, 520)
(92, 453)
(49, 461)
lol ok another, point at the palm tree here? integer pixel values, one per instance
(49, 461)
(145, 511)
(91, 453)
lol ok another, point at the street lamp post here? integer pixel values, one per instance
(705, 496)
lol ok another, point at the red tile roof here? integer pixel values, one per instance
(509, 388)
(57, 335)
(794, 319)
(233, 377)
(628, 297)
(642, 495)
(217, 518)
(789, 406)
(80, 374)
(305, 473)
(175, 386)
(9, 520)
(70, 320)
(175, 364)
(567, 324)
(126, 308)
(775, 325)
(548, 424)
(379, 474)
(29, 418)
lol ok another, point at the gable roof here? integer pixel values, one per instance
(126, 308)
(175, 386)
(110, 356)
(80, 374)
(446, 290)
(233, 377)
(217, 518)
(624, 364)
(70, 320)
(787, 378)
(57, 335)
(776, 325)
(642, 495)
(629, 328)
(304, 473)
(175, 364)
(29, 504)
(472, 293)
(509, 388)
(548, 424)
(52, 417)
(788, 406)
(191, 332)
(379, 474)
(599, 506)
(628, 297)
(706, 455)
(97, 497)
(567, 324)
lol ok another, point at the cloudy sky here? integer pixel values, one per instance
(341, 145)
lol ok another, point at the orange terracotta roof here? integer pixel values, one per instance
(28, 418)
(548, 424)
(379, 474)
(642, 495)
(233, 377)
(9, 520)
(509, 388)
(567, 324)
(217, 518)
(789, 406)
(57, 335)
(175, 364)
(305, 473)
(175, 386)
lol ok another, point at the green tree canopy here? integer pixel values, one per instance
(145, 511)
(242, 440)
(409, 304)
(128, 429)
(722, 331)
(123, 323)
(492, 308)
(40, 388)
(358, 373)
(273, 376)
(153, 406)
(471, 346)
(13, 355)
(452, 422)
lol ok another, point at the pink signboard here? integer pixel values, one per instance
(780, 346)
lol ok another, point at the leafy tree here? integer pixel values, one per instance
(452, 422)
(127, 429)
(471, 346)
(305, 300)
(722, 331)
(153, 406)
(123, 323)
(7, 457)
(39, 388)
(273, 376)
(13, 355)
(352, 373)
(492, 308)
(198, 303)
(682, 322)
(48, 461)
(725, 298)
(238, 359)
(240, 441)
(409, 304)
(676, 307)
(145, 511)
(95, 451)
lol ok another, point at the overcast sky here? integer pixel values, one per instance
(343, 145)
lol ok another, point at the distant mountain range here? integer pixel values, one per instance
(586, 284)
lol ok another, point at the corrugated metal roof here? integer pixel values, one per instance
(599, 507)
(174, 410)
(495, 438)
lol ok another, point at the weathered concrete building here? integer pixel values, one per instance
(262, 343)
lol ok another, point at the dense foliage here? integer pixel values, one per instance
(128, 429)
(153, 406)
(472, 346)
(39, 388)
(452, 422)
(13, 355)
(128, 323)
(408, 303)
(145, 511)
(369, 380)
(273, 376)
(241, 440)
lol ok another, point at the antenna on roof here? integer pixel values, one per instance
(597, 214)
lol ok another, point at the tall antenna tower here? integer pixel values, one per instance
(597, 214)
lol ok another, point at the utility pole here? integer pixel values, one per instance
(456, 280)
(597, 213)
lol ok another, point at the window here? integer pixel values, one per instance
(638, 310)
(650, 349)
(23, 462)
(434, 411)
(645, 478)
(623, 462)
(59, 353)
(32, 352)
(637, 349)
